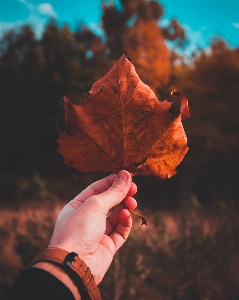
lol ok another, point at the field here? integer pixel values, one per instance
(190, 249)
(188, 253)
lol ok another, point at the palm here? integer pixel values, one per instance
(93, 235)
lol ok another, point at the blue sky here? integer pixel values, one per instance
(202, 19)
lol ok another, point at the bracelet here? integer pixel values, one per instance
(77, 270)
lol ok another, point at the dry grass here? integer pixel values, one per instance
(186, 254)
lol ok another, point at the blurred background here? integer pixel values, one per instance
(190, 249)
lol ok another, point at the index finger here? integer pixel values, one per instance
(95, 188)
(113, 219)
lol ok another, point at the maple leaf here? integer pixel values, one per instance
(122, 125)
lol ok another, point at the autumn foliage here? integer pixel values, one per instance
(122, 125)
(152, 63)
(200, 203)
(36, 73)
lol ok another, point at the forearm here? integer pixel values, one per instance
(60, 275)
(83, 226)
(38, 284)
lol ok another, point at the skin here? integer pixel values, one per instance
(85, 226)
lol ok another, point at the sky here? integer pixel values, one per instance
(202, 19)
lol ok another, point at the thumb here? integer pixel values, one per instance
(117, 192)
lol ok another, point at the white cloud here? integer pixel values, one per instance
(236, 25)
(164, 22)
(37, 19)
(196, 39)
(28, 5)
(96, 28)
(195, 36)
(47, 9)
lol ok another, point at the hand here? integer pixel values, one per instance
(84, 227)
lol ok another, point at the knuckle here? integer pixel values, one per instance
(95, 201)
(116, 189)
(93, 187)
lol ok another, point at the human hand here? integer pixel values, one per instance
(83, 226)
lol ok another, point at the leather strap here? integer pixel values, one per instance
(75, 267)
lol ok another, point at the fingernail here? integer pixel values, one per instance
(123, 176)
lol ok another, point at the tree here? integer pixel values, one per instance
(35, 75)
(134, 30)
(211, 85)
(21, 69)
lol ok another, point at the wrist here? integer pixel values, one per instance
(60, 275)
(73, 267)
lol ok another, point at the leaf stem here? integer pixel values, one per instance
(144, 220)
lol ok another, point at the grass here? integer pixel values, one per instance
(191, 253)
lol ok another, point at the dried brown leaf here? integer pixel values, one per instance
(122, 125)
